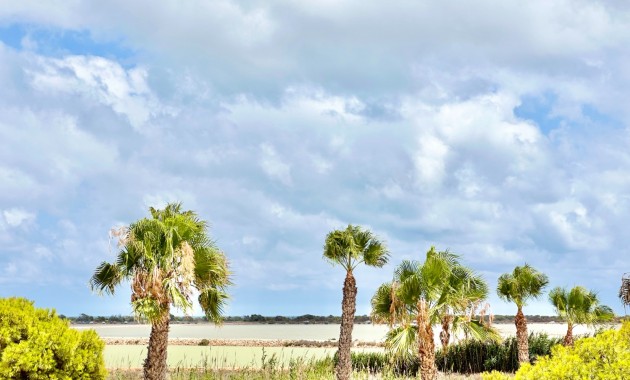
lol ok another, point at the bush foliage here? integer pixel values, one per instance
(604, 356)
(36, 344)
(474, 356)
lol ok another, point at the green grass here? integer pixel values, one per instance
(218, 357)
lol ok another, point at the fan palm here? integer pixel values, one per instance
(164, 258)
(578, 306)
(350, 248)
(460, 297)
(421, 295)
(522, 284)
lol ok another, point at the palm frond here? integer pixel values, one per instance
(402, 342)
(212, 302)
(105, 278)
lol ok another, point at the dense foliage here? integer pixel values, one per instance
(36, 344)
(604, 356)
(474, 356)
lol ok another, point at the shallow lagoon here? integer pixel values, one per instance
(364, 333)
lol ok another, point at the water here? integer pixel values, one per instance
(365, 333)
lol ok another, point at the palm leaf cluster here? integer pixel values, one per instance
(165, 258)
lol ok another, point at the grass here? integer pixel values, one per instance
(269, 368)
(219, 357)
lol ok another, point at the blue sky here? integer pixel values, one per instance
(498, 130)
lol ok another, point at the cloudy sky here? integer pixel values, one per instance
(496, 129)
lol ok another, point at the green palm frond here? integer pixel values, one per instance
(402, 342)
(382, 303)
(579, 306)
(353, 246)
(522, 284)
(165, 257)
(212, 302)
(105, 278)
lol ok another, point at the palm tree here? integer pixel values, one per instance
(421, 295)
(164, 258)
(350, 248)
(624, 290)
(522, 284)
(578, 306)
(460, 297)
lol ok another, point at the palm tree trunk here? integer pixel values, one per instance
(155, 364)
(348, 308)
(521, 336)
(568, 339)
(445, 334)
(426, 345)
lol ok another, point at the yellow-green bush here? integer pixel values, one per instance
(36, 344)
(605, 356)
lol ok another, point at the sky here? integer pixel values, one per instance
(498, 130)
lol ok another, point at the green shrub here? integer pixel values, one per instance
(36, 344)
(204, 342)
(475, 356)
(605, 356)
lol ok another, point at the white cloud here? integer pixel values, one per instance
(274, 166)
(100, 80)
(16, 217)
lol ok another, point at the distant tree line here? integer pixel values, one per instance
(278, 319)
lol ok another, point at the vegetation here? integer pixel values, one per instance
(604, 356)
(350, 248)
(424, 294)
(474, 356)
(624, 290)
(289, 320)
(578, 306)
(165, 257)
(36, 344)
(522, 284)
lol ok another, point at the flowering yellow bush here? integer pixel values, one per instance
(36, 344)
(604, 357)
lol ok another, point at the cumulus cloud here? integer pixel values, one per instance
(498, 131)
(16, 217)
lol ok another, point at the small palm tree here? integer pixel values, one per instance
(421, 295)
(519, 286)
(350, 248)
(461, 294)
(164, 258)
(624, 290)
(578, 306)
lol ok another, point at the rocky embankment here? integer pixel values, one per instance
(239, 343)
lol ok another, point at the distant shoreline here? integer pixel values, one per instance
(239, 342)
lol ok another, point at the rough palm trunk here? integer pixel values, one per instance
(348, 308)
(155, 364)
(521, 336)
(568, 339)
(426, 346)
(445, 334)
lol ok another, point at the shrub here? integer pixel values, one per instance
(474, 356)
(36, 344)
(204, 342)
(605, 356)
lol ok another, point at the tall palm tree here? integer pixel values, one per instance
(421, 295)
(522, 284)
(165, 258)
(578, 306)
(350, 248)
